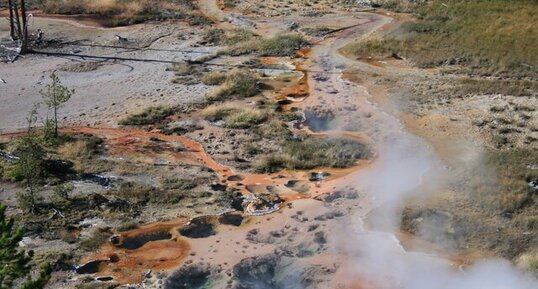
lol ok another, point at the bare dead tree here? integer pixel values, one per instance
(24, 38)
(11, 20)
(18, 20)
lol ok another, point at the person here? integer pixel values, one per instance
(39, 36)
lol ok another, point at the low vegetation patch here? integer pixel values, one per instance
(183, 184)
(317, 31)
(282, 45)
(278, 46)
(80, 149)
(325, 152)
(150, 115)
(125, 12)
(508, 190)
(239, 82)
(214, 78)
(186, 73)
(467, 86)
(235, 117)
(487, 36)
(314, 152)
(217, 36)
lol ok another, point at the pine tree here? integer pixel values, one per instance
(14, 262)
(54, 96)
(30, 165)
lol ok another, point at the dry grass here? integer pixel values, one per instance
(114, 7)
(239, 82)
(217, 36)
(76, 150)
(487, 36)
(471, 86)
(507, 191)
(234, 116)
(214, 78)
(126, 11)
(150, 115)
(314, 153)
(280, 45)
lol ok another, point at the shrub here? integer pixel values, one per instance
(149, 116)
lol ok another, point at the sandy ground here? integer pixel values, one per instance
(126, 78)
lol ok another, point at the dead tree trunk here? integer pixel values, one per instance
(11, 20)
(24, 39)
(17, 20)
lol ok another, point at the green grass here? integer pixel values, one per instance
(150, 115)
(488, 36)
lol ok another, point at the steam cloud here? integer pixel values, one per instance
(407, 168)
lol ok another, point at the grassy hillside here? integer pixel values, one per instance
(488, 36)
